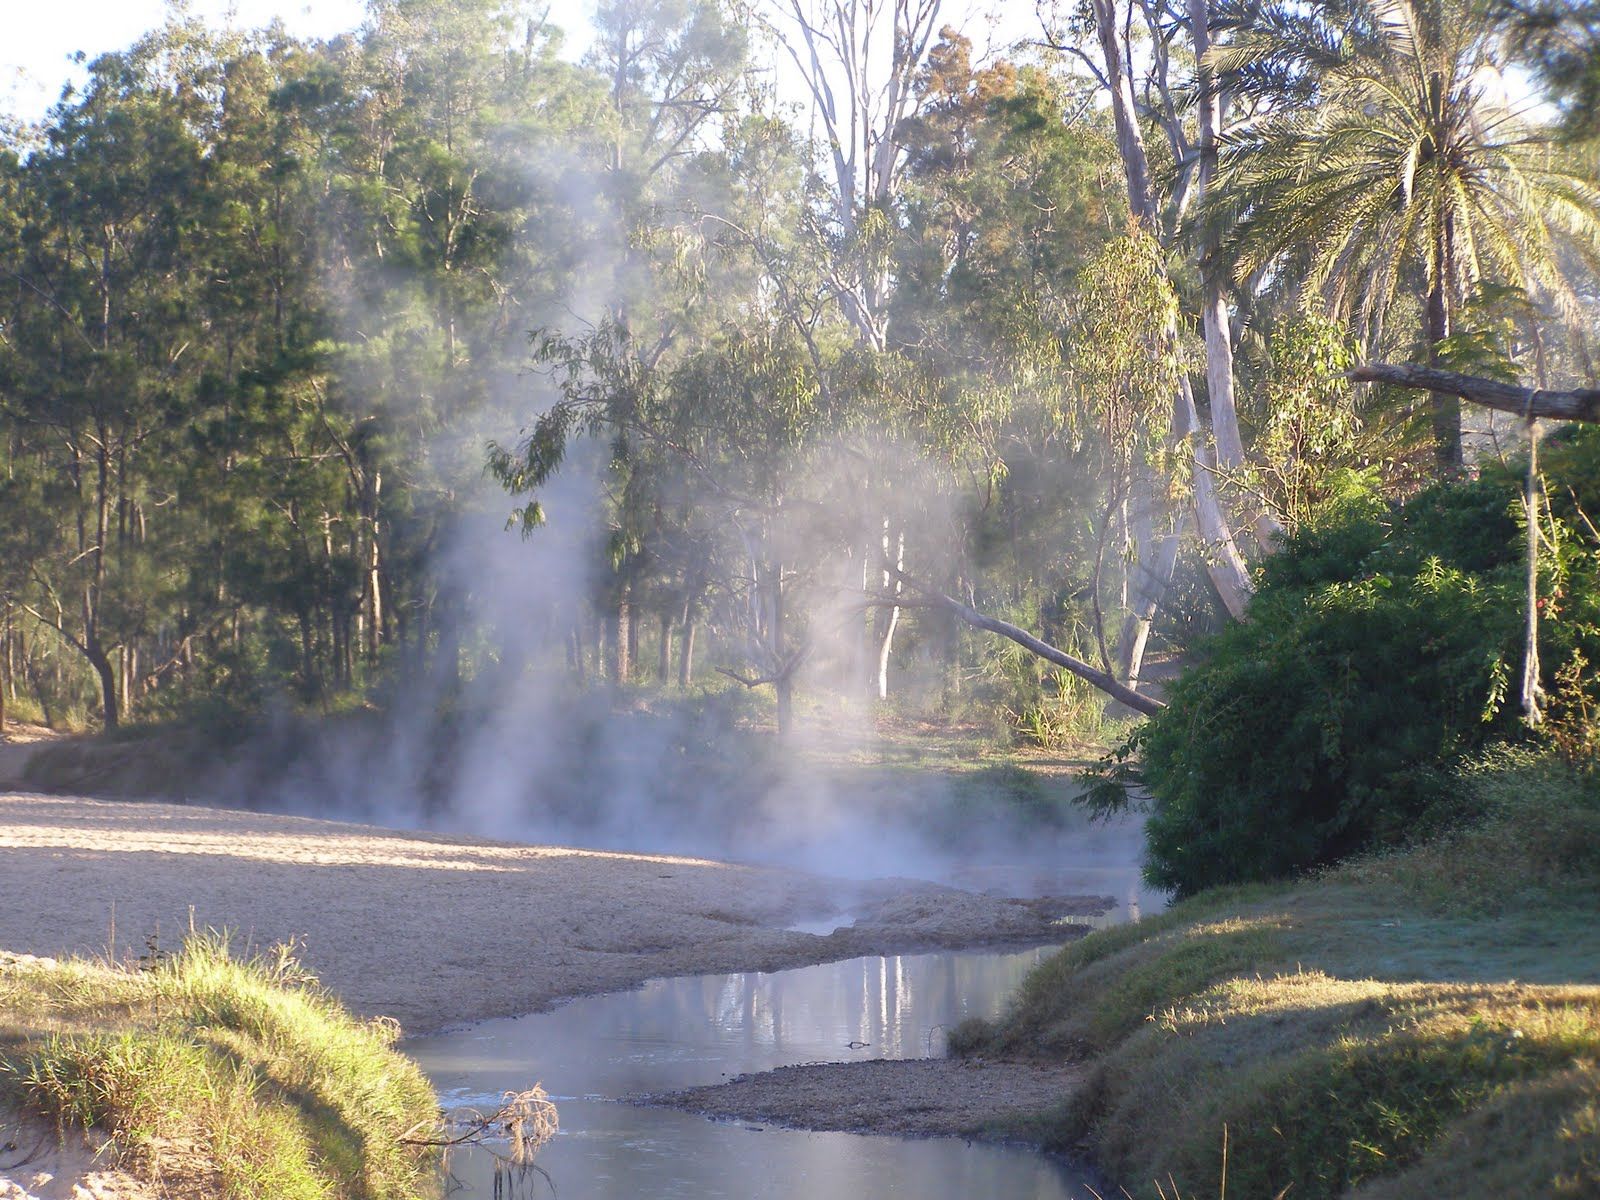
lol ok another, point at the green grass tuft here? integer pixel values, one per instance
(243, 1079)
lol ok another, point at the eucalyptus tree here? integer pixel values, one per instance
(1006, 197)
(860, 61)
(1382, 166)
(1158, 210)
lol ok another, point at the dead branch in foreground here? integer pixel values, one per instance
(525, 1120)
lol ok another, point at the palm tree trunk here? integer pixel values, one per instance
(1446, 414)
(1446, 409)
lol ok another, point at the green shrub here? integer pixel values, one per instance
(1382, 648)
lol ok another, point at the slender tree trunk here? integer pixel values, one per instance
(1532, 691)
(1214, 302)
(308, 661)
(96, 588)
(1446, 415)
(784, 684)
(574, 645)
(620, 638)
(1154, 568)
(1224, 563)
(634, 624)
(127, 656)
(664, 650)
(1158, 555)
(1154, 555)
(686, 655)
(686, 622)
(891, 582)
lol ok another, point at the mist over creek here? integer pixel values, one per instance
(518, 751)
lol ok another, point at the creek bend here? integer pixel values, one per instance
(695, 1030)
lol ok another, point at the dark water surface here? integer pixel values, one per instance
(676, 1033)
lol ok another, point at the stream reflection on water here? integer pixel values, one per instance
(676, 1033)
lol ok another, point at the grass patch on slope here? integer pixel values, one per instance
(1425, 1023)
(234, 1079)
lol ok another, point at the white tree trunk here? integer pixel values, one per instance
(1230, 456)
(892, 584)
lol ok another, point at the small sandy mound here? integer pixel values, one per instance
(36, 1165)
(932, 1096)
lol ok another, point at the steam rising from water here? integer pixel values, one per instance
(521, 753)
(517, 751)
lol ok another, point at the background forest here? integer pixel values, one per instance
(799, 346)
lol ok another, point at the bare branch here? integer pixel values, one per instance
(1106, 682)
(1580, 404)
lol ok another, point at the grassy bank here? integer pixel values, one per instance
(216, 1077)
(1427, 1023)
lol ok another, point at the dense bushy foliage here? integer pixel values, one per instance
(1382, 647)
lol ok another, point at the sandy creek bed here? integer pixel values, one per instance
(437, 930)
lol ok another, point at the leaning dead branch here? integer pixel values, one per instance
(930, 597)
(1578, 404)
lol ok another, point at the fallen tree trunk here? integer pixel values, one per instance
(1579, 404)
(933, 598)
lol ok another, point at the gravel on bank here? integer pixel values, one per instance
(925, 1096)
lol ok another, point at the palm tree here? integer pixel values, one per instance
(1383, 166)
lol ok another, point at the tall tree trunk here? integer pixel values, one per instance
(96, 588)
(784, 683)
(1446, 414)
(1157, 556)
(891, 582)
(686, 655)
(1214, 303)
(574, 641)
(620, 638)
(1156, 560)
(686, 622)
(664, 650)
(1532, 691)
(634, 624)
(308, 661)
(101, 662)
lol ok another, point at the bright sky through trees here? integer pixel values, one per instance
(41, 39)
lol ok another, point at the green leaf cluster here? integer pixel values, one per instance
(1381, 650)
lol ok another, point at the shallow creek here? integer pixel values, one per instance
(676, 1033)
(705, 1029)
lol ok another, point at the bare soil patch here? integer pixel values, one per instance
(36, 1164)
